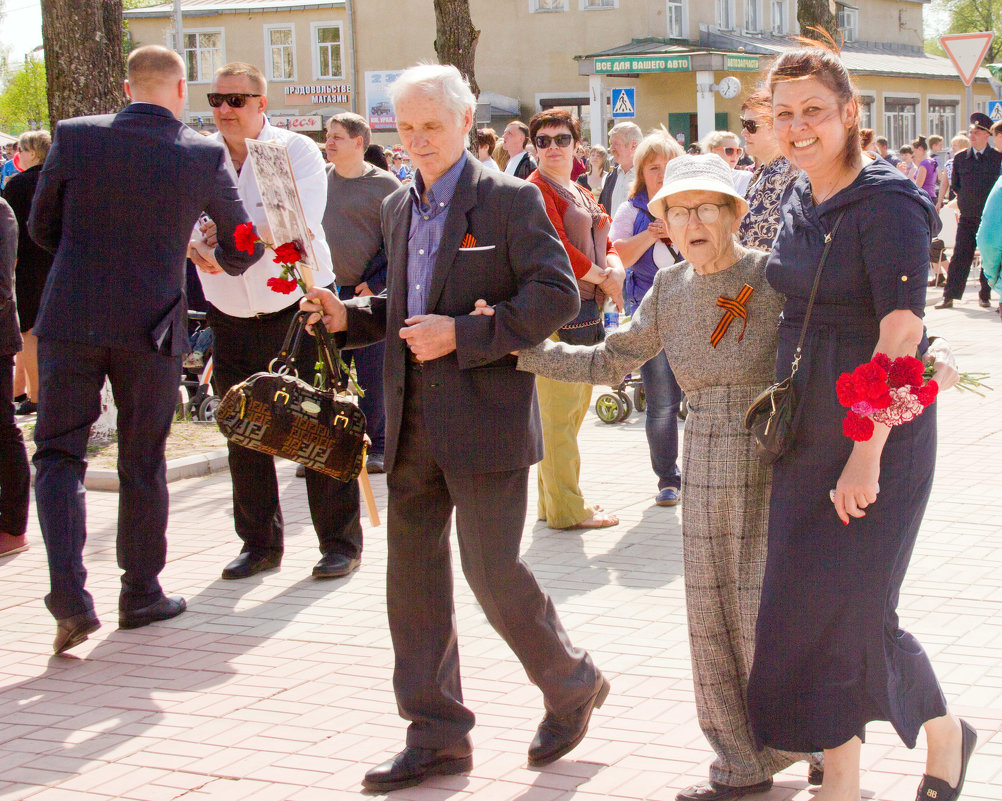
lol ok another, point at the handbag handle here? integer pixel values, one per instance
(327, 352)
(829, 238)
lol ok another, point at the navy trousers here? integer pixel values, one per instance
(15, 482)
(145, 388)
(369, 372)
(960, 264)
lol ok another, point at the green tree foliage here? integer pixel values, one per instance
(23, 103)
(967, 16)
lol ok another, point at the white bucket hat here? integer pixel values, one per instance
(708, 173)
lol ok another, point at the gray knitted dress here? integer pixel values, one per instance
(725, 488)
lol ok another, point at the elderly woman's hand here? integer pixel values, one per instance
(940, 356)
(612, 285)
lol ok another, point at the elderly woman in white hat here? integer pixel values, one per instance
(716, 318)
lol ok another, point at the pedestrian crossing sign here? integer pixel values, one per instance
(995, 110)
(624, 102)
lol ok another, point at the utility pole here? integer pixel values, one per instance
(179, 47)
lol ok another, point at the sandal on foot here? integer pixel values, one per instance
(597, 520)
(933, 789)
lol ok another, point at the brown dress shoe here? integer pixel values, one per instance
(413, 765)
(715, 791)
(557, 736)
(71, 631)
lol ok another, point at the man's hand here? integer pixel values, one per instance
(203, 256)
(612, 285)
(429, 336)
(208, 229)
(326, 307)
(480, 308)
(362, 290)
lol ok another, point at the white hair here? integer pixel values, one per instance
(441, 81)
(630, 131)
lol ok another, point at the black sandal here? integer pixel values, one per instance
(933, 789)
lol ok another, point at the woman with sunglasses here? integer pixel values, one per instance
(772, 177)
(584, 231)
(727, 145)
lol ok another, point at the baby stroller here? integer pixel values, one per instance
(615, 407)
(196, 399)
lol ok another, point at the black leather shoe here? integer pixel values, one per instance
(413, 765)
(946, 303)
(163, 609)
(335, 565)
(71, 631)
(714, 791)
(556, 736)
(249, 563)
(815, 775)
(374, 464)
(933, 789)
(984, 304)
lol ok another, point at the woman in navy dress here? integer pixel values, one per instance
(829, 653)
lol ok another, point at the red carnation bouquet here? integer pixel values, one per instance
(288, 255)
(883, 391)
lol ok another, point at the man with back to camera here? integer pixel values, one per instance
(462, 427)
(250, 320)
(355, 189)
(623, 140)
(114, 306)
(974, 173)
(516, 140)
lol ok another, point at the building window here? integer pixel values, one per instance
(588, 5)
(848, 22)
(865, 111)
(777, 22)
(281, 49)
(327, 50)
(753, 15)
(203, 54)
(675, 11)
(725, 14)
(943, 118)
(547, 5)
(899, 120)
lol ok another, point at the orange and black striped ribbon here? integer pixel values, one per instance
(469, 241)
(733, 308)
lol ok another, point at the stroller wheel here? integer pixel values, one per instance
(627, 405)
(609, 408)
(207, 409)
(639, 398)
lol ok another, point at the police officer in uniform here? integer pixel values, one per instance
(975, 171)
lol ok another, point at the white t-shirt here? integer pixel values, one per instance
(622, 228)
(741, 180)
(513, 163)
(621, 190)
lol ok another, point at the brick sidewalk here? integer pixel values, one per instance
(278, 687)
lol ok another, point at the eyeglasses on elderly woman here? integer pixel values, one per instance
(706, 212)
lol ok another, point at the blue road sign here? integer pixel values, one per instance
(995, 110)
(624, 102)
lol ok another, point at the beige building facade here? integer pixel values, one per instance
(326, 56)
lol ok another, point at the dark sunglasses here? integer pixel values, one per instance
(749, 125)
(233, 100)
(560, 140)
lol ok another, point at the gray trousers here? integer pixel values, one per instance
(490, 514)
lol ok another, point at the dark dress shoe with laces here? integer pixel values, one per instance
(715, 791)
(249, 563)
(335, 565)
(163, 609)
(71, 631)
(946, 303)
(413, 765)
(557, 736)
(933, 789)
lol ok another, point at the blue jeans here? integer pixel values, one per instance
(663, 397)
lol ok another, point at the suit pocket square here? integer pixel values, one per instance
(480, 247)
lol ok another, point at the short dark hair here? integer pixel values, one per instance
(555, 117)
(487, 138)
(354, 124)
(523, 128)
(374, 155)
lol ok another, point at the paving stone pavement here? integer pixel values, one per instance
(278, 687)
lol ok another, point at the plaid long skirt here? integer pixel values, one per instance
(725, 515)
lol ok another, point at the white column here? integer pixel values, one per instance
(706, 104)
(596, 109)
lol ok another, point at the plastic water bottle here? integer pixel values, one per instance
(610, 316)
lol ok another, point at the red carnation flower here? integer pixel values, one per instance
(926, 394)
(871, 385)
(246, 237)
(905, 372)
(846, 390)
(856, 428)
(283, 285)
(882, 360)
(287, 253)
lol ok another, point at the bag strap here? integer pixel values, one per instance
(329, 368)
(829, 238)
(285, 362)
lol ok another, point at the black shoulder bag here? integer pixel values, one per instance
(770, 416)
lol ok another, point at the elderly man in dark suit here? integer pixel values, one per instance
(462, 427)
(116, 203)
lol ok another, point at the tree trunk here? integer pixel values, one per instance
(456, 38)
(83, 57)
(816, 16)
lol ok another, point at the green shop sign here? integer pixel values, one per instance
(629, 64)
(743, 63)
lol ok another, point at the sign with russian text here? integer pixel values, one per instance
(311, 122)
(318, 94)
(742, 63)
(379, 109)
(615, 65)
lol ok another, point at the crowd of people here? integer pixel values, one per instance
(468, 291)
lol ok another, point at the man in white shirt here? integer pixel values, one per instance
(623, 140)
(250, 321)
(516, 139)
